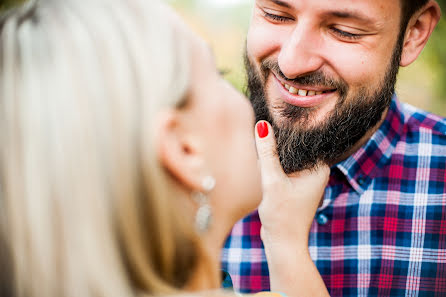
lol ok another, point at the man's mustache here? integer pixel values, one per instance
(317, 78)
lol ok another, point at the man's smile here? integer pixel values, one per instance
(302, 96)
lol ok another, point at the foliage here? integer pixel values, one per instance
(4, 4)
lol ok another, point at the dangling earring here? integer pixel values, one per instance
(203, 217)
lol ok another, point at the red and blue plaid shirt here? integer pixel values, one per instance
(381, 230)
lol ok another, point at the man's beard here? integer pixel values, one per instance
(301, 146)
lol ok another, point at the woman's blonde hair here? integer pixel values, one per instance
(85, 206)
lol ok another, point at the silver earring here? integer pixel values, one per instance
(203, 218)
(208, 183)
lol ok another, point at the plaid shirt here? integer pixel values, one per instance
(381, 230)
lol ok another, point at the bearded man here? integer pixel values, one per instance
(323, 73)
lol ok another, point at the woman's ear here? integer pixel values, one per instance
(179, 150)
(419, 29)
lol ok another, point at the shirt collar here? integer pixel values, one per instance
(361, 167)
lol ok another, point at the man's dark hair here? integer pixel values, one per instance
(409, 8)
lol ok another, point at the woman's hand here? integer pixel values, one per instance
(289, 201)
(287, 211)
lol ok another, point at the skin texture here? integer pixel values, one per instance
(308, 40)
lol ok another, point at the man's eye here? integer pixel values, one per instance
(275, 18)
(345, 35)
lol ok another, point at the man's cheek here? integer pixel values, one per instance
(356, 68)
(261, 43)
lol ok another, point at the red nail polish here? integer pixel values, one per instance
(262, 129)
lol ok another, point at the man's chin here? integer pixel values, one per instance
(307, 119)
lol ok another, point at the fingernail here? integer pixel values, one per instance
(262, 129)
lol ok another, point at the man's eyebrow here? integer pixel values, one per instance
(350, 14)
(281, 3)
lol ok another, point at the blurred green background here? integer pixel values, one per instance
(224, 23)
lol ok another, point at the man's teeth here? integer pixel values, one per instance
(300, 92)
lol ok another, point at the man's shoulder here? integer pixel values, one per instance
(419, 122)
(419, 156)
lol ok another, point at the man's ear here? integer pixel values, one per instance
(179, 150)
(419, 29)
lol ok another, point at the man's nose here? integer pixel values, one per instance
(299, 54)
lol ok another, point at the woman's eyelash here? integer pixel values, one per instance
(275, 17)
(345, 34)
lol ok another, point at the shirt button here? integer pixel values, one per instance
(361, 180)
(321, 219)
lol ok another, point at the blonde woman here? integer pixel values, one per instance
(125, 158)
